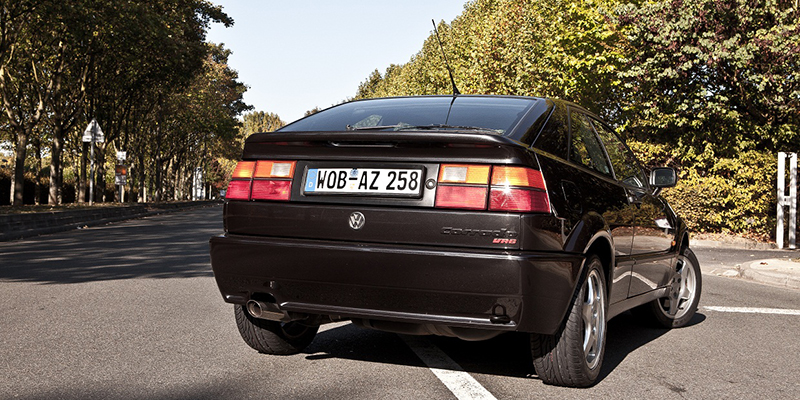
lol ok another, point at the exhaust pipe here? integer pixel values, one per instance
(262, 310)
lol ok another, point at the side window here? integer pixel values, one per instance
(553, 138)
(584, 146)
(622, 160)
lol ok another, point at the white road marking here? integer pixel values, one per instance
(325, 327)
(754, 310)
(462, 384)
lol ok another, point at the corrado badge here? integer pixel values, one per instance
(503, 235)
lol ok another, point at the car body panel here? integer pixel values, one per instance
(413, 263)
(409, 283)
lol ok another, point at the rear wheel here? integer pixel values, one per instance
(680, 305)
(573, 356)
(272, 337)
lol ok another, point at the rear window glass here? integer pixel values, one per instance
(498, 114)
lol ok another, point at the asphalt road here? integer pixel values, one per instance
(131, 311)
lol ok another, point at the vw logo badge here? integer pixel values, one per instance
(356, 220)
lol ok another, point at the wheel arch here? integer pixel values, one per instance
(592, 235)
(602, 246)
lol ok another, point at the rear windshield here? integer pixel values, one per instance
(498, 114)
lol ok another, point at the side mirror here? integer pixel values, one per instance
(663, 177)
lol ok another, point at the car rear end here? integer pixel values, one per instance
(447, 231)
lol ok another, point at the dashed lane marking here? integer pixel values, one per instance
(462, 384)
(754, 310)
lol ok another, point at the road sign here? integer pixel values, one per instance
(93, 133)
(121, 155)
(121, 175)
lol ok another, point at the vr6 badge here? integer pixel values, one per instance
(501, 236)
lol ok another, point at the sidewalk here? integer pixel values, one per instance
(23, 225)
(774, 272)
(770, 266)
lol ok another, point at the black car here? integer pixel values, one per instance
(463, 216)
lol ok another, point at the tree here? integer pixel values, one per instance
(125, 63)
(312, 111)
(161, 53)
(721, 69)
(260, 121)
(27, 78)
(369, 86)
(204, 122)
(503, 47)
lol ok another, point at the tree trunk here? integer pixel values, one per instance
(157, 181)
(55, 167)
(18, 182)
(142, 180)
(176, 181)
(100, 172)
(37, 187)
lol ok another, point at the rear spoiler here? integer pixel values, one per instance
(348, 145)
(296, 138)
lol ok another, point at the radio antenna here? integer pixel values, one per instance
(447, 64)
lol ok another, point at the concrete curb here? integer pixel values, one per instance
(774, 272)
(735, 242)
(19, 226)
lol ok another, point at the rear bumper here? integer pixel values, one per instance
(412, 284)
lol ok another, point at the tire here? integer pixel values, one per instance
(272, 337)
(573, 356)
(685, 290)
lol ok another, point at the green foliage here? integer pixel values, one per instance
(734, 195)
(203, 118)
(706, 86)
(711, 87)
(713, 76)
(260, 121)
(141, 68)
(312, 111)
(561, 48)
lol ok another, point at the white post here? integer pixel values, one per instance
(792, 201)
(784, 200)
(781, 192)
(91, 165)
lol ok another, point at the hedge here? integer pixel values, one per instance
(720, 195)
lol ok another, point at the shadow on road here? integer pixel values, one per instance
(164, 246)
(506, 355)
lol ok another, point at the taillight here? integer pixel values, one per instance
(463, 186)
(518, 189)
(238, 190)
(473, 198)
(261, 180)
(496, 188)
(464, 174)
(244, 170)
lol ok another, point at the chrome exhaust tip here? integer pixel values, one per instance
(262, 310)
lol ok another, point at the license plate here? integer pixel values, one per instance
(364, 181)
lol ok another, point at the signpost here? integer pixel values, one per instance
(121, 174)
(92, 134)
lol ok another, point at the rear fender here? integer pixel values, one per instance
(591, 235)
(586, 232)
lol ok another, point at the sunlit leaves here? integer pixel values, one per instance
(714, 73)
(559, 48)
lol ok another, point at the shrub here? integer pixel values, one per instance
(720, 195)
